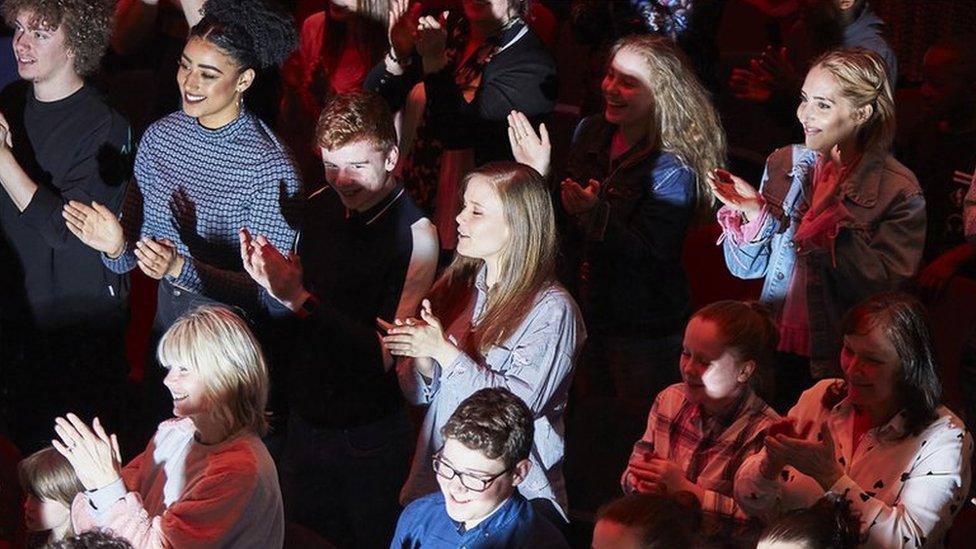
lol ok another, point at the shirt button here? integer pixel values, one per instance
(177, 293)
(779, 276)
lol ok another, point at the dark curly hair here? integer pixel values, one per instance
(827, 524)
(661, 520)
(87, 25)
(493, 421)
(256, 34)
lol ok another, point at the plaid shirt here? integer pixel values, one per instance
(711, 448)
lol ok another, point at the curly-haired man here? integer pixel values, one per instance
(62, 314)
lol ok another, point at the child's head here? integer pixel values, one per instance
(648, 521)
(827, 524)
(216, 370)
(51, 485)
(487, 441)
(727, 346)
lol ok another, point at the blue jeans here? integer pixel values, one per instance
(344, 483)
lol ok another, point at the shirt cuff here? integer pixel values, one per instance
(103, 498)
(741, 232)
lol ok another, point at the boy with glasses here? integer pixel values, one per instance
(484, 458)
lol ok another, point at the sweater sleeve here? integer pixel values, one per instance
(132, 214)
(204, 516)
(274, 207)
(97, 174)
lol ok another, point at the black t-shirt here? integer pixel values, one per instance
(943, 164)
(76, 148)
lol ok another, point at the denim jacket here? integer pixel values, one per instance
(632, 281)
(877, 249)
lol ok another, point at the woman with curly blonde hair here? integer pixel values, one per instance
(635, 182)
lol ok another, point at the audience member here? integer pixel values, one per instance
(648, 521)
(827, 524)
(503, 321)
(941, 151)
(51, 485)
(877, 438)
(201, 174)
(205, 479)
(836, 219)
(367, 252)
(475, 66)
(337, 47)
(635, 178)
(483, 461)
(62, 313)
(700, 431)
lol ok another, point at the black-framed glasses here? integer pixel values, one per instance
(475, 483)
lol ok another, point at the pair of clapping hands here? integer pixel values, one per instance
(787, 445)
(535, 150)
(408, 31)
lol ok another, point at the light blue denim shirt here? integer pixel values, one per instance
(878, 249)
(536, 363)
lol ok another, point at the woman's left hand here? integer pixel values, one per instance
(93, 453)
(528, 147)
(158, 258)
(431, 42)
(812, 458)
(422, 338)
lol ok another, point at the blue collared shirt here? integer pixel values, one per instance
(425, 523)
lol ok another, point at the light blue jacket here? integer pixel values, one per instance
(878, 249)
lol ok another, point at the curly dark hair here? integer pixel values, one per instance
(829, 523)
(87, 25)
(256, 34)
(493, 421)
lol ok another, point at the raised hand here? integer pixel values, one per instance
(432, 42)
(577, 199)
(423, 338)
(5, 139)
(96, 226)
(282, 277)
(735, 193)
(813, 458)
(93, 453)
(528, 147)
(403, 27)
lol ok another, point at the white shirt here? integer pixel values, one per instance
(906, 488)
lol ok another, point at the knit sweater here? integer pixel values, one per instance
(197, 187)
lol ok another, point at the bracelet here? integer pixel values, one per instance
(309, 306)
(402, 62)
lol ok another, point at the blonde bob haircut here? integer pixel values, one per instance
(863, 79)
(218, 345)
(46, 474)
(527, 263)
(685, 122)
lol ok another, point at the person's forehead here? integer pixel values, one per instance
(462, 457)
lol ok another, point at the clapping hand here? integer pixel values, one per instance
(577, 199)
(6, 142)
(528, 147)
(735, 193)
(282, 277)
(402, 28)
(815, 459)
(431, 42)
(158, 257)
(421, 338)
(93, 453)
(96, 226)
(650, 473)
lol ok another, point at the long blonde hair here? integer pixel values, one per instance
(218, 344)
(685, 122)
(863, 79)
(527, 264)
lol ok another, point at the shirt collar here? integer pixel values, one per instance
(892, 430)
(723, 421)
(499, 520)
(377, 210)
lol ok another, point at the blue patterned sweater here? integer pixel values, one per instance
(197, 187)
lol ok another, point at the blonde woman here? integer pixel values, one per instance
(501, 321)
(836, 219)
(635, 182)
(205, 479)
(50, 484)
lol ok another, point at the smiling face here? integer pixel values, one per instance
(42, 514)
(211, 83)
(871, 367)
(483, 231)
(360, 172)
(188, 389)
(468, 506)
(41, 52)
(714, 376)
(827, 117)
(627, 91)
